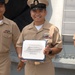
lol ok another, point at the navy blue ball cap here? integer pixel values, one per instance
(37, 4)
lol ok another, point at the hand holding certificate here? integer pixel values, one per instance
(33, 49)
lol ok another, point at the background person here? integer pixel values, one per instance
(9, 32)
(74, 39)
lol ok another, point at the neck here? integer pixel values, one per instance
(39, 23)
(1, 17)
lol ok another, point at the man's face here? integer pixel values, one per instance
(2, 9)
(38, 15)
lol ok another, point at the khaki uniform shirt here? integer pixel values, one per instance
(9, 32)
(74, 37)
(49, 32)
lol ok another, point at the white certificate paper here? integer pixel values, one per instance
(33, 49)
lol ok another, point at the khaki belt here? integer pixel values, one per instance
(37, 62)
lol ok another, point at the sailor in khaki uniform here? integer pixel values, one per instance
(9, 32)
(40, 29)
(74, 39)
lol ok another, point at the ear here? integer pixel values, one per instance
(45, 12)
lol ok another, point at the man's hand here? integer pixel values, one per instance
(47, 50)
(20, 65)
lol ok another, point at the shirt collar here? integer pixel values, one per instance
(31, 25)
(46, 25)
(5, 20)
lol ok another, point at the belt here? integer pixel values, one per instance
(38, 62)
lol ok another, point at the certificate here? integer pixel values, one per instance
(33, 50)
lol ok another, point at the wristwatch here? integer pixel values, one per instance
(50, 52)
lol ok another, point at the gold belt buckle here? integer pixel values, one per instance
(36, 63)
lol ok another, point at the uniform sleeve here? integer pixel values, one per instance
(57, 41)
(20, 40)
(74, 37)
(16, 33)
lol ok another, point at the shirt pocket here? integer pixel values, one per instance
(6, 41)
(7, 35)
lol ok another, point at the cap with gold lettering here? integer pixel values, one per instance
(4, 1)
(37, 4)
